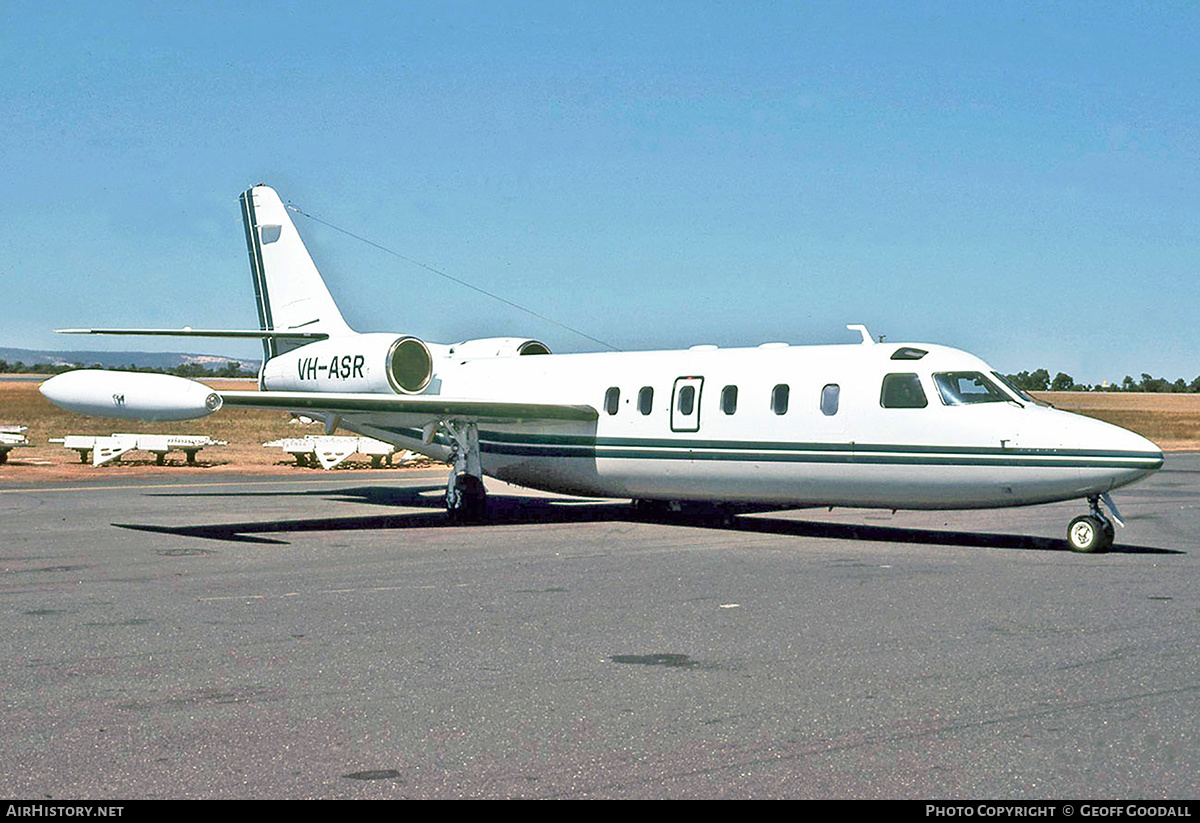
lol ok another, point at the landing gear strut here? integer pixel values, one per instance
(1093, 533)
(466, 498)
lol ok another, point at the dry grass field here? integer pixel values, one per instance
(1170, 420)
(244, 429)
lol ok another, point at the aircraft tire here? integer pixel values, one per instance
(1089, 534)
(471, 503)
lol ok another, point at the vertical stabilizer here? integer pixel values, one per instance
(287, 286)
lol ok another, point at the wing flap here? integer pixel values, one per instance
(431, 407)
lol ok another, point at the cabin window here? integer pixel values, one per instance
(612, 400)
(902, 391)
(960, 388)
(646, 399)
(779, 398)
(829, 399)
(687, 400)
(729, 399)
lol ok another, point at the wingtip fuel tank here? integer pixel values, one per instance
(130, 395)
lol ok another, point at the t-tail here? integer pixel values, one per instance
(288, 289)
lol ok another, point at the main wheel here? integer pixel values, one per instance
(1088, 533)
(468, 503)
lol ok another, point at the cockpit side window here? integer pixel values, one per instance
(963, 388)
(902, 391)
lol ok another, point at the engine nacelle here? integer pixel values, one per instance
(130, 395)
(379, 363)
(497, 347)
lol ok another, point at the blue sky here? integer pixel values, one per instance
(1017, 179)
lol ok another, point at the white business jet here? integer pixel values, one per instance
(899, 425)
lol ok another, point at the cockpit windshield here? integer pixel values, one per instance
(961, 388)
(1012, 387)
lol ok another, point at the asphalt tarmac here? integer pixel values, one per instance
(332, 636)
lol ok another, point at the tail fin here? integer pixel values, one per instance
(287, 286)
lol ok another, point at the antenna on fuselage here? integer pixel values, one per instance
(867, 340)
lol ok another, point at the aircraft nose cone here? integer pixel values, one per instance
(1121, 439)
(1118, 456)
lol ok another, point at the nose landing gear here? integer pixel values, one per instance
(1093, 533)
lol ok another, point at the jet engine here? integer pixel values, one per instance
(497, 347)
(379, 363)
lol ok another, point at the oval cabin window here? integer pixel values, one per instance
(646, 399)
(612, 400)
(829, 399)
(779, 398)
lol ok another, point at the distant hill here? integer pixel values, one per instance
(114, 359)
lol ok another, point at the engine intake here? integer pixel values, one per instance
(410, 365)
(497, 347)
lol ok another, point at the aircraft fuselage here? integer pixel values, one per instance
(803, 425)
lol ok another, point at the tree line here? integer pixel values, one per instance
(1040, 380)
(230, 369)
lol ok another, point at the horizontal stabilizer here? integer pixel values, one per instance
(251, 334)
(430, 407)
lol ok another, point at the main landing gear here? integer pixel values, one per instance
(466, 498)
(1093, 533)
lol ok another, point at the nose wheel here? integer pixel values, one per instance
(1093, 533)
(1090, 534)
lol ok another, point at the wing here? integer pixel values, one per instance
(429, 407)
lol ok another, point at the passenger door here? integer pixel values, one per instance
(685, 404)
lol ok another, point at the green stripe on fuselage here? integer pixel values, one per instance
(780, 451)
(747, 451)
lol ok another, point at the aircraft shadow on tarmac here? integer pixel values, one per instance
(515, 509)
